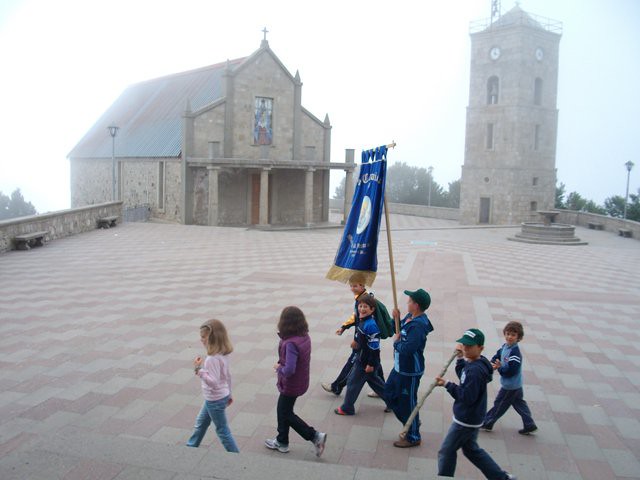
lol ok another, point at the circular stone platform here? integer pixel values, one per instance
(552, 234)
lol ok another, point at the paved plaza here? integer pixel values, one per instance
(98, 332)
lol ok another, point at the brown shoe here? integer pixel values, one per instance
(404, 443)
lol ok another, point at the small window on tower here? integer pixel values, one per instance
(489, 141)
(536, 138)
(493, 90)
(537, 92)
(535, 181)
(534, 206)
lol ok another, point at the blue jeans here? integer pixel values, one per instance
(357, 378)
(506, 399)
(466, 438)
(213, 411)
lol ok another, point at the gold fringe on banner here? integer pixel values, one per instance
(345, 275)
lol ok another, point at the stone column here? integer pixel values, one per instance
(264, 197)
(213, 195)
(348, 183)
(308, 197)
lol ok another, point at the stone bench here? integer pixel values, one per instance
(107, 222)
(595, 226)
(28, 240)
(625, 232)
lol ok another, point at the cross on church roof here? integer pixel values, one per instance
(265, 31)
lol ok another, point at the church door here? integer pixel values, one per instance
(255, 199)
(485, 208)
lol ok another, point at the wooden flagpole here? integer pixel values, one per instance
(424, 396)
(391, 265)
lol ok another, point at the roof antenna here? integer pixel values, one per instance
(495, 10)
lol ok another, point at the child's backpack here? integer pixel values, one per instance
(385, 322)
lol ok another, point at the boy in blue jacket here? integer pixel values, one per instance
(508, 362)
(469, 408)
(401, 389)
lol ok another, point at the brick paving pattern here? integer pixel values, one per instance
(98, 331)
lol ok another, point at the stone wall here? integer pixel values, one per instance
(441, 213)
(59, 224)
(609, 224)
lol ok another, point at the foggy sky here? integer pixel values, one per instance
(381, 70)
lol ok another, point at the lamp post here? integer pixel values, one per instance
(113, 131)
(429, 171)
(629, 166)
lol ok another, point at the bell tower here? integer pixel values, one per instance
(509, 168)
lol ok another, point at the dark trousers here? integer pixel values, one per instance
(506, 399)
(341, 382)
(287, 418)
(357, 378)
(401, 395)
(466, 438)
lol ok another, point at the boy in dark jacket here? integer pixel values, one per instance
(367, 360)
(508, 362)
(469, 408)
(401, 389)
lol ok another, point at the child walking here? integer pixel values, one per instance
(358, 289)
(216, 385)
(294, 358)
(508, 362)
(367, 359)
(469, 407)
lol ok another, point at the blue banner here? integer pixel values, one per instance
(358, 249)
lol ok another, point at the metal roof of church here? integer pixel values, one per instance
(149, 114)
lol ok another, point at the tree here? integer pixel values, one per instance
(407, 184)
(575, 201)
(614, 206)
(560, 191)
(452, 197)
(633, 207)
(16, 206)
(339, 192)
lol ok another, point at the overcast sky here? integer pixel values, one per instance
(381, 70)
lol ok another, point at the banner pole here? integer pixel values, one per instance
(424, 396)
(391, 266)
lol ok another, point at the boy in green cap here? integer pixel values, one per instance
(469, 408)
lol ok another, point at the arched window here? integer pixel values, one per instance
(493, 90)
(537, 92)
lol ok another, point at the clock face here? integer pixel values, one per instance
(539, 54)
(494, 53)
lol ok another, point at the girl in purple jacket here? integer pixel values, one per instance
(294, 357)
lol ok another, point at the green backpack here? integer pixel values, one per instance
(385, 322)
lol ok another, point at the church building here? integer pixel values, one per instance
(228, 144)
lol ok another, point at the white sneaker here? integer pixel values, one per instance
(273, 444)
(373, 395)
(511, 477)
(318, 442)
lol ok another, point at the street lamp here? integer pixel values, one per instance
(629, 166)
(113, 131)
(429, 171)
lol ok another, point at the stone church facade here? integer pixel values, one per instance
(228, 144)
(509, 171)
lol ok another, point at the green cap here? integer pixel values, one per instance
(421, 297)
(473, 336)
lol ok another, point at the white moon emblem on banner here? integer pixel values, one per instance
(365, 215)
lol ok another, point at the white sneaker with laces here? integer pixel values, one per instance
(318, 442)
(273, 444)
